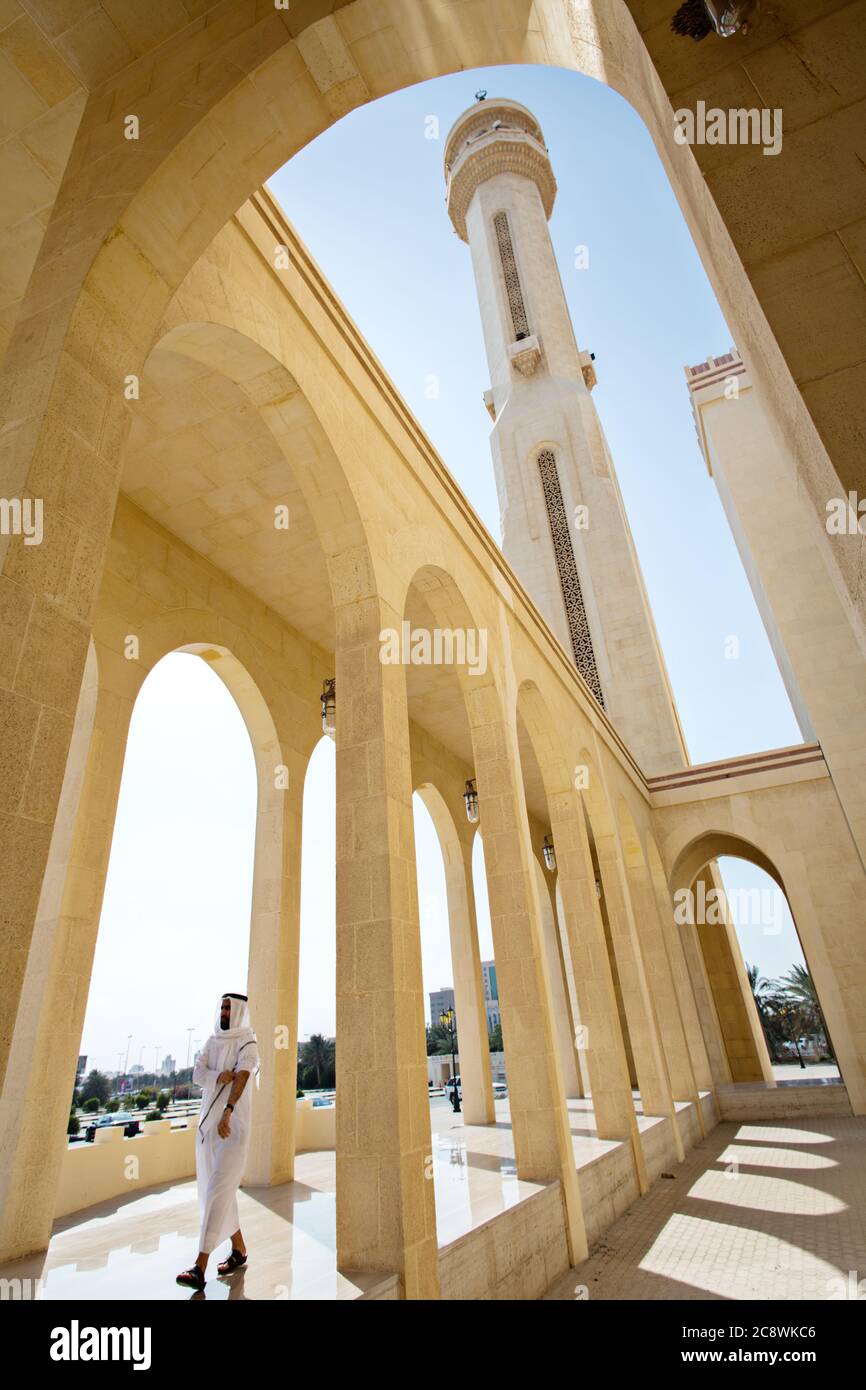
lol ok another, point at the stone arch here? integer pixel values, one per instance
(287, 84)
(713, 844)
(274, 391)
(694, 868)
(283, 727)
(274, 912)
(76, 890)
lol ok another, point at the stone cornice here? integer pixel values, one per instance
(499, 152)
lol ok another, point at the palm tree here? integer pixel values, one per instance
(798, 989)
(762, 989)
(768, 1002)
(317, 1054)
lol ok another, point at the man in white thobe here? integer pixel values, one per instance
(226, 1062)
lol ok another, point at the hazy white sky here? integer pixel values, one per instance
(368, 199)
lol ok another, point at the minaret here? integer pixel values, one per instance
(564, 528)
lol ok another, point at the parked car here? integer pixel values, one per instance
(131, 1127)
(500, 1090)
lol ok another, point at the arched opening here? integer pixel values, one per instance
(174, 932)
(439, 651)
(318, 954)
(753, 951)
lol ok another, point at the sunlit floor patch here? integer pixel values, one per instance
(796, 1230)
(754, 1156)
(732, 1262)
(738, 1188)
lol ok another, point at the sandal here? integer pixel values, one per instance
(192, 1278)
(235, 1261)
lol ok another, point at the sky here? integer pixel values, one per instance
(367, 198)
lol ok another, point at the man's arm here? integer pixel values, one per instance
(241, 1078)
(202, 1072)
(240, 1081)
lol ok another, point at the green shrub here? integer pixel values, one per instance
(91, 1105)
(73, 1125)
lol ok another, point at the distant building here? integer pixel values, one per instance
(491, 994)
(81, 1069)
(168, 1065)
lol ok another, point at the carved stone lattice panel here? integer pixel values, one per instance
(569, 579)
(512, 279)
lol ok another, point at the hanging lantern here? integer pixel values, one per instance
(470, 796)
(329, 706)
(696, 18)
(549, 853)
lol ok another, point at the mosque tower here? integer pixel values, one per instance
(564, 528)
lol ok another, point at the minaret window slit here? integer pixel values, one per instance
(512, 279)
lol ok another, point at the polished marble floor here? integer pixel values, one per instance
(132, 1248)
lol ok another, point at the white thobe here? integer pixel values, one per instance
(220, 1163)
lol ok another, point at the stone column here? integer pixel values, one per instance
(386, 1214)
(475, 1077)
(686, 995)
(563, 1022)
(711, 1028)
(603, 1044)
(64, 422)
(44, 1054)
(275, 943)
(542, 1138)
(661, 985)
(652, 1072)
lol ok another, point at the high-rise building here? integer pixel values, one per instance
(491, 994)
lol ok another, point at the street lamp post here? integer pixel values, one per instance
(446, 1018)
(189, 1033)
(126, 1059)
